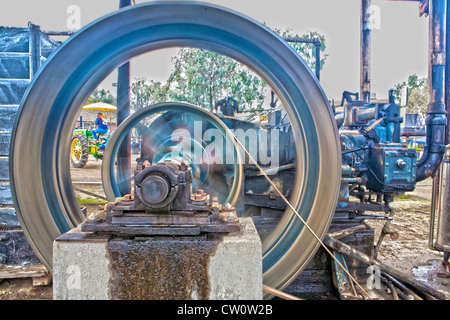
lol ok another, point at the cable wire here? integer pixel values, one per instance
(296, 213)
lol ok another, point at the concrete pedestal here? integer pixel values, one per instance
(228, 267)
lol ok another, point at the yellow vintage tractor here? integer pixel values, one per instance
(83, 142)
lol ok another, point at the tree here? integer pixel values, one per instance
(202, 77)
(418, 94)
(306, 50)
(146, 92)
(102, 95)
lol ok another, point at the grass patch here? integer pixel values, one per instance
(404, 196)
(408, 197)
(90, 200)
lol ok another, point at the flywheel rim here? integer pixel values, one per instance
(47, 207)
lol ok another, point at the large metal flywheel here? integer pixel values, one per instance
(41, 184)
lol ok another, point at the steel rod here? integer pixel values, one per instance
(343, 233)
(440, 202)
(383, 233)
(35, 49)
(447, 72)
(391, 288)
(123, 111)
(318, 64)
(409, 294)
(365, 50)
(87, 183)
(317, 44)
(89, 193)
(57, 33)
(434, 199)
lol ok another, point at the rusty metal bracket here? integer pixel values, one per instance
(351, 252)
(341, 280)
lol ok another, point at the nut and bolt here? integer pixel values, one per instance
(92, 217)
(401, 163)
(200, 195)
(230, 216)
(228, 213)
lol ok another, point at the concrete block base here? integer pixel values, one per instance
(213, 267)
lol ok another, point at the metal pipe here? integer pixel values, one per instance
(301, 40)
(318, 46)
(365, 50)
(383, 232)
(35, 49)
(443, 221)
(349, 251)
(95, 195)
(343, 233)
(410, 295)
(413, 134)
(436, 115)
(57, 33)
(365, 114)
(447, 72)
(391, 288)
(433, 213)
(88, 183)
(123, 111)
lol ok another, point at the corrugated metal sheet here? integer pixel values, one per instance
(16, 63)
(14, 39)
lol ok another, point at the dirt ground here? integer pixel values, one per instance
(408, 253)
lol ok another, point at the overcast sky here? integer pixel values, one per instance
(399, 38)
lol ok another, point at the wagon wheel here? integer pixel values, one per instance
(79, 151)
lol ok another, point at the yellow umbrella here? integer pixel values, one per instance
(102, 106)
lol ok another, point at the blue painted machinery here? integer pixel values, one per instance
(372, 148)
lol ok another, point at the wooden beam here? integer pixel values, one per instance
(39, 274)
